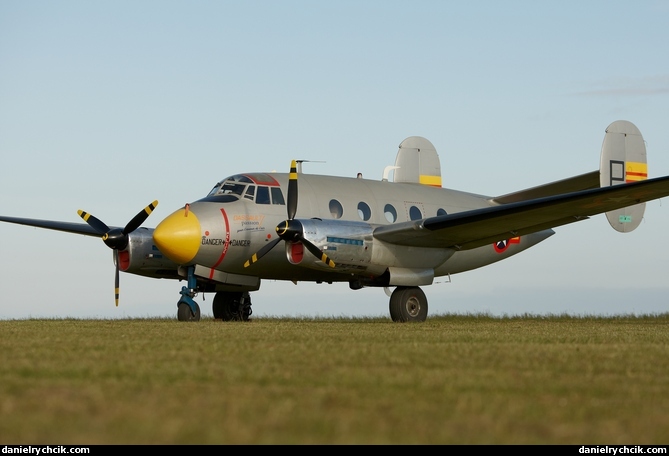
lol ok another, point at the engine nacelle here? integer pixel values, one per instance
(349, 244)
(142, 257)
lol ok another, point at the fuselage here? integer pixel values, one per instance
(220, 232)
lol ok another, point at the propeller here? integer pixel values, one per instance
(291, 230)
(117, 238)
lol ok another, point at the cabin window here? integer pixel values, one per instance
(414, 213)
(263, 195)
(390, 213)
(364, 212)
(336, 210)
(441, 211)
(277, 196)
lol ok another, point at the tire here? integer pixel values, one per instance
(184, 313)
(408, 304)
(226, 306)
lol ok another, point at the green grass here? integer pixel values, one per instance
(453, 380)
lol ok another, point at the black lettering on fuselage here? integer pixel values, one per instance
(233, 242)
(207, 241)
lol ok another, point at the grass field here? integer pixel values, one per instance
(452, 380)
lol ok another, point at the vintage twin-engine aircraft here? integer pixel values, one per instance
(365, 232)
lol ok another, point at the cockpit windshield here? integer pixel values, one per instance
(261, 188)
(234, 185)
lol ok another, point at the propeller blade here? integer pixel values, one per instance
(318, 253)
(94, 222)
(117, 239)
(292, 190)
(140, 218)
(261, 253)
(117, 289)
(291, 229)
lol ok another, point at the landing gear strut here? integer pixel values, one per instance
(232, 306)
(408, 304)
(187, 308)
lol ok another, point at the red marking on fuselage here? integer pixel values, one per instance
(263, 179)
(225, 245)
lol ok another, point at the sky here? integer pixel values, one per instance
(106, 106)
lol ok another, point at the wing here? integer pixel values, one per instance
(76, 228)
(470, 229)
(572, 184)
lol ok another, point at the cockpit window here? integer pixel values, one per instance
(234, 187)
(263, 195)
(239, 178)
(277, 196)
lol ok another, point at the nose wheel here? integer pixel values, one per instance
(187, 308)
(185, 313)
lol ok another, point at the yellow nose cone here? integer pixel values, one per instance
(179, 236)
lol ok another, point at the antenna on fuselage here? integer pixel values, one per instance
(299, 163)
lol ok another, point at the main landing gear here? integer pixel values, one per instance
(232, 306)
(408, 304)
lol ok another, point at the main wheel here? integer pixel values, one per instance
(185, 314)
(408, 304)
(232, 306)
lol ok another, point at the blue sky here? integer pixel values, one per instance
(106, 106)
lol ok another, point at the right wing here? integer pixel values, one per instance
(76, 228)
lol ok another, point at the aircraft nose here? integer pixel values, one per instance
(178, 236)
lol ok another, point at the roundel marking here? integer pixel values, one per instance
(502, 246)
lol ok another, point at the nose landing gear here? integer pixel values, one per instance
(187, 308)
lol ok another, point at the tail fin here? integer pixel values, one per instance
(623, 160)
(417, 162)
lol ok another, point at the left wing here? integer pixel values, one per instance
(470, 229)
(572, 184)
